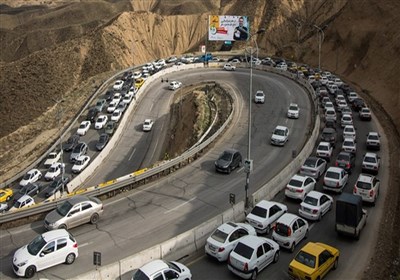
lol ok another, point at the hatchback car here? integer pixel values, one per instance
(173, 85)
(75, 211)
(293, 111)
(373, 141)
(71, 143)
(81, 163)
(315, 205)
(324, 150)
(264, 214)
(367, 186)
(225, 237)
(24, 201)
(228, 161)
(159, 269)
(289, 230)
(101, 122)
(349, 132)
(102, 142)
(314, 261)
(349, 145)
(329, 135)
(79, 150)
(30, 177)
(148, 124)
(259, 97)
(365, 114)
(299, 186)
(54, 171)
(280, 135)
(46, 250)
(83, 128)
(346, 161)
(313, 167)
(6, 194)
(335, 179)
(251, 255)
(371, 163)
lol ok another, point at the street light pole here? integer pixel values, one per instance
(321, 37)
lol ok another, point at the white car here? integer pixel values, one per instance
(289, 230)
(159, 269)
(335, 179)
(80, 164)
(373, 141)
(112, 106)
(293, 111)
(225, 237)
(174, 85)
(54, 171)
(148, 124)
(145, 76)
(116, 98)
(251, 255)
(24, 201)
(30, 177)
(347, 110)
(116, 115)
(259, 97)
(341, 104)
(349, 145)
(367, 186)
(282, 66)
(330, 114)
(299, 186)
(264, 214)
(329, 105)
(83, 128)
(172, 59)
(349, 132)
(365, 114)
(137, 75)
(324, 150)
(132, 91)
(46, 250)
(371, 163)
(229, 67)
(351, 96)
(346, 120)
(313, 167)
(280, 135)
(101, 122)
(127, 98)
(118, 85)
(53, 157)
(315, 205)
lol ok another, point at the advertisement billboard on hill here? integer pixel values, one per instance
(228, 28)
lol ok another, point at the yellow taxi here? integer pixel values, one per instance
(313, 261)
(5, 194)
(139, 82)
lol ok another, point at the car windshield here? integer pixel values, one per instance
(259, 211)
(70, 140)
(293, 108)
(51, 156)
(82, 126)
(173, 266)
(306, 259)
(310, 162)
(280, 132)
(64, 208)
(259, 94)
(322, 147)
(103, 139)
(226, 156)
(36, 245)
(219, 236)
(311, 200)
(53, 169)
(282, 229)
(295, 183)
(370, 159)
(27, 176)
(244, 250)
(332, 175)
(363, 185)
(348, 143)
(373, 137)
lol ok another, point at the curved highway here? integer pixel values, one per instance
(189, 196)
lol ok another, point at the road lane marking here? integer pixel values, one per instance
(180, 205)
(130, 157)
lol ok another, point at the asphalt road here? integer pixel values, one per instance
(155, 212)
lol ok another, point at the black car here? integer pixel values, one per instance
(330, 124)
(346, 161)
(71, 143)
(109, 95)
(92, 114)
(228, 160)
(57, 185)
(30, 189)
(102, 142)
(329, 135)
(357, 104)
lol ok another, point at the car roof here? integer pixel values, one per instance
(287, 218)
(373, 133)
(313, 249)
(54, 234)
(323, 143)
(334, 169)
(299, 177)
(281, 127)
(315, 194)
(370, 155)
(228, 227)
(328, 130)
(252, 241)
(265, 204)
(78, 199)
(366, 178)
(153, 266)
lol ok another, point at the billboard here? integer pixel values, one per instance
(228, 28)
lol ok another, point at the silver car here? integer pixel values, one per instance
(75, 211)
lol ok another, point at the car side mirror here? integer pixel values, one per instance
(41, 255)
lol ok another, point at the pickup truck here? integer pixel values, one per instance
(350, 216)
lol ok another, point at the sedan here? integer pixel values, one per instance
(5, 194)
(110, 127)
(71, 142)
(54, 171)
(373, 141)
(259, 97)
(46, 250)
(30, 189)
(100, 104)
(148, 124)
(79, 150)
(293, 111)
(299, 186)
(80, 164)
(83, 128)
(251, 255)
(225, 237)
(346, 161)
(56, 186)
(314, 261)
(315, 205)
(118, 85)
(174, 85)
(346, 120)
(335, 179)
(365, 114)
(30, 177)
(229, 67)
(160, 269)
(112, 106)
(313, 167)
(280, 136)
(228, 160)
(101, 122)
(116, 115)
(329, 135)
(371, 163)
(75, 211)
(102, 142)
(264, 214)
(349, 145)
(349, 132)
(324, 150)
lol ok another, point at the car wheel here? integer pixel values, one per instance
(276, 257)
(70, 258)
(30, 271)
(268, 229)
(94, 219)
(292, 247)
(336, 263)
(254, 275)
(62, 226)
